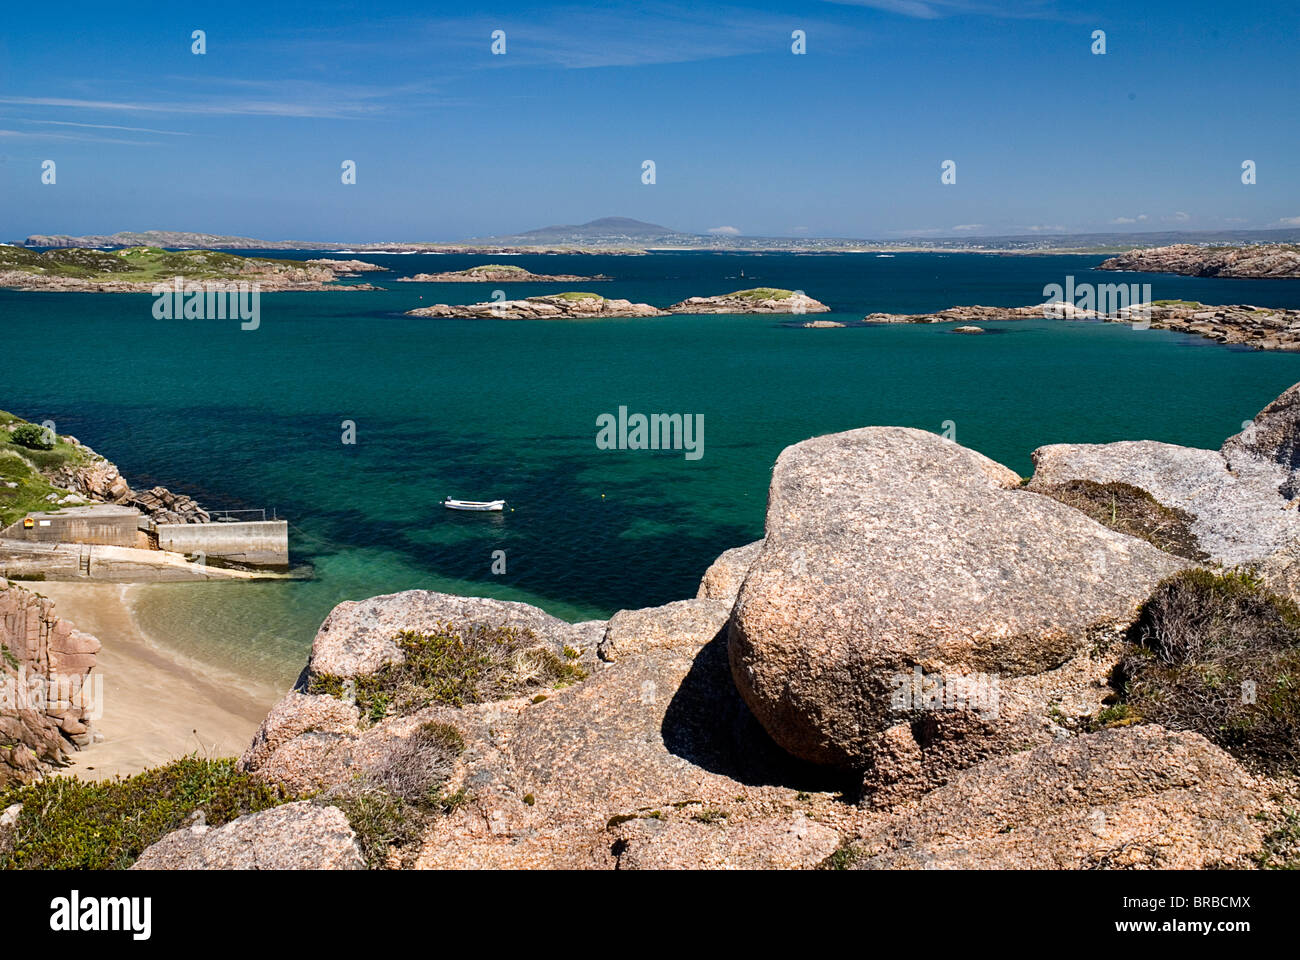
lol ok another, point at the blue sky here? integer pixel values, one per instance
(451, 141)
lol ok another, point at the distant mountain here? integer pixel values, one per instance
(605, 231)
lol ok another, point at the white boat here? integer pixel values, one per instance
(451, 504)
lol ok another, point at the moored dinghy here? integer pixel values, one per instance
(451, 504)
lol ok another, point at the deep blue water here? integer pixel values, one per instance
(487, 408)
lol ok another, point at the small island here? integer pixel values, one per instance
(1272, 260)
(558, 306)
(1260, 328)
(497, 273)
(140, 269)
(347, 268)
(756, 300)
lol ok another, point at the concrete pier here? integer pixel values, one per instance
(259, 543)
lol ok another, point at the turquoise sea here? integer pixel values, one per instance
(485, 409)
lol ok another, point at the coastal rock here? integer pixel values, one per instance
(966, 315)
(725, 575)
(688, 623)
(162, 506)
(295, 836)
(563, 780)
(347, 267)
(561, 306)
(497, 273)
(821, 324)
(96, 271)
(658, 738)
(1139, 797)
(296, 714)
(1241, 498)
(891, 551)
(8, 828)
(968, 329)
(1191, 260)
(792, 842)
(758, 300)
(47, 697)
(358, 637)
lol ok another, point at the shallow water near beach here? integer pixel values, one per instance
(500, 409)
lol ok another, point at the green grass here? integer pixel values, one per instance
(1176, 303)
(454, 666)
(29, 469)
(763, 293)
(495, 268)
(134, 264)
(1198, 639)
(71, 824)
(570, 296)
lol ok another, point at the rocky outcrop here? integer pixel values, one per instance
(358, 637)
(1239, 325)
(295, 836)
(497, 273)
(97, 479)
(1241, 498)
(8, 829)
(913, 623)
(1190, 260)
(1137, 798)
(653, 759)
(913, 613)
(347, 268)
(162, 506)
(725, 575)
(47, 699)
(267, 276)
(563, 306)
(758, 300)
(965, 315)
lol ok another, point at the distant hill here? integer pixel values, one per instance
(176, 240)
(626, 235)
(606, 230)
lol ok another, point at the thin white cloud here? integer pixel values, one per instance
(110, 126)
(33, 135)
(725, 231)
(1290, 221)
(968, 226)
(264, 108)
(935, 9)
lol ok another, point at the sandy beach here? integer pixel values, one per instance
(158, 705)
